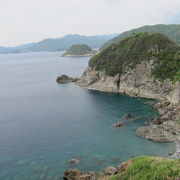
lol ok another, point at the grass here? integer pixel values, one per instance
(150, 168)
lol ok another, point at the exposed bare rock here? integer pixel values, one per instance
(118, 124)
(65, 79)
(127, 116)
(74, 161)
(74, 174)
(124, 166)
(166, 132)
(135, 82)
(110, 170)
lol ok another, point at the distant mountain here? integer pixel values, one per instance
(16, 49)
(171, 31)
(61, 44)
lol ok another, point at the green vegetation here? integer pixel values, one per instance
(150, 168)
(118, 58)
(78, 50)
(172, 31)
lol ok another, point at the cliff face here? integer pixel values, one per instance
(136, 82)
(143, 65)
(146, 66)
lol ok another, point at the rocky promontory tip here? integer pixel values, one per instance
(65, 79)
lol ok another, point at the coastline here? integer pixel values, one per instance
(165, 115)
(165, 109)
(165, 128)
(85, 55)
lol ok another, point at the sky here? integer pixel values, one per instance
(24, 21)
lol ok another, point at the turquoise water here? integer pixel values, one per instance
(44, 124)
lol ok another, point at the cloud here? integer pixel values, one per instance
(26, 21)
(114, 1)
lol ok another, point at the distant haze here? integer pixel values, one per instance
(24, 21)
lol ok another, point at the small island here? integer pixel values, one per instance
(79, 50)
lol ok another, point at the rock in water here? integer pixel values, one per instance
(74, 161)
(118, 124)
(127, 116)
(65, 79)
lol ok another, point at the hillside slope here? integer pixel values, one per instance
(172, 31)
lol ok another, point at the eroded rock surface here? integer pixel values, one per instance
(65, 79)
(165, 128)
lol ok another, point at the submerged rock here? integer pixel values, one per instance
(65, 79)
(127, 116)
(74, 161)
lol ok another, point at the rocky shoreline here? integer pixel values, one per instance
(165, 128)
(131, 169)
(84, 55)
(137, 83)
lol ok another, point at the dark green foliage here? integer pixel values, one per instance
(172, 31)
(78, 50)
(131, 51)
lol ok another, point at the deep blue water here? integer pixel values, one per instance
(44, 124)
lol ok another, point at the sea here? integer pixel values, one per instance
(44, 124)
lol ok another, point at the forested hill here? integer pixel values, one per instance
(118, 58)
(172, 31)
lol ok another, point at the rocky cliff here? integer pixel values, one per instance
(143, 65)
(146, 66)
(135, 82)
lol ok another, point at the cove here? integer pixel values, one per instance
(44, 124)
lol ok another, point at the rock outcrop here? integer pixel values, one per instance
(165, 128)
(75, 174)
(138, 168)
(136, 82)
(65, 79)
(118, 124)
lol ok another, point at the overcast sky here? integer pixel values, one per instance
(24, 21)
